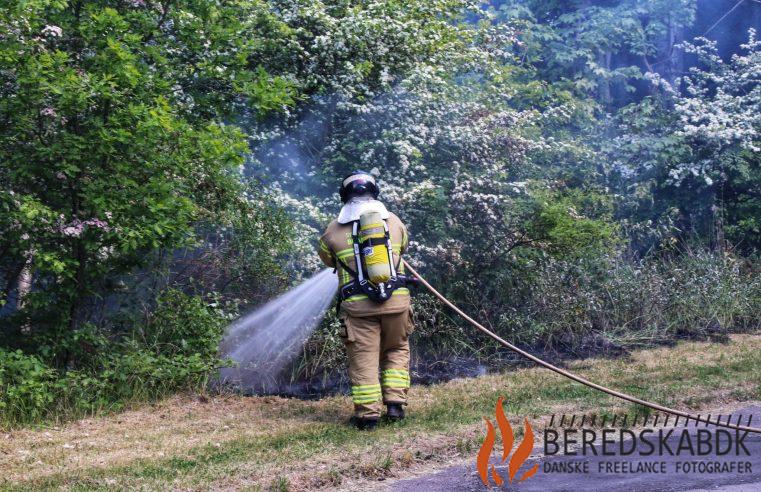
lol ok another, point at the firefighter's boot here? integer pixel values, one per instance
(364, 424)
(394, 412)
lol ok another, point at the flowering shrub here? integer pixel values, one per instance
(163, 163)
(692, 151)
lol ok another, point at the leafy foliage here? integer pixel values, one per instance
(176, 350)
(693, 149)
(576, 173)
(599, 48)
(112, 143)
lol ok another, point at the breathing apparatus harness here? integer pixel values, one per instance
(379, 292)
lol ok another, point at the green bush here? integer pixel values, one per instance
(176, 350)
(27, 387)
(572, 224)
(596, 303)
(183, 325)
(140, 374)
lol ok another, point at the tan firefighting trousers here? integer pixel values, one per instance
(372, 341)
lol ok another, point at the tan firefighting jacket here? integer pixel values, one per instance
(337, 242)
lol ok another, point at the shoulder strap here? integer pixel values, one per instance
(347, 267)
(359, 274)
(390, 250)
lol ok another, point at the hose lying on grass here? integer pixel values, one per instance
(570, 375)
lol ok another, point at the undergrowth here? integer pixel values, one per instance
(586, 306)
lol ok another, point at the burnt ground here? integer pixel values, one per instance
(432, 368)
(465, 478)
(425, 371)
(429, 368)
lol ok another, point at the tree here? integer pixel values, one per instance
(113, 136)
(600, 48)
(696, 146)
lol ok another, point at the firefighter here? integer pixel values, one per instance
(364, 244)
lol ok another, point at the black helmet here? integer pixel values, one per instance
(356, 184)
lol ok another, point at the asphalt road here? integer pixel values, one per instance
(465, 478)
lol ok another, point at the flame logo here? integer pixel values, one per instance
(522, 452)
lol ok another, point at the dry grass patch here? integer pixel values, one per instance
(232, 442)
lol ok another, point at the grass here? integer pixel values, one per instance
(269, 443)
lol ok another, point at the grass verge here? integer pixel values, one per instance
(268, 443)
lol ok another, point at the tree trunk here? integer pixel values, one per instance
(603, 84)
(78, 296)
(674, 57)
(24, 286)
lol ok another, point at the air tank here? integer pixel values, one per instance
(375, 256)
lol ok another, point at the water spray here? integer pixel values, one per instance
(263, 342)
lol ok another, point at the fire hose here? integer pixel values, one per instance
(574, 377)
